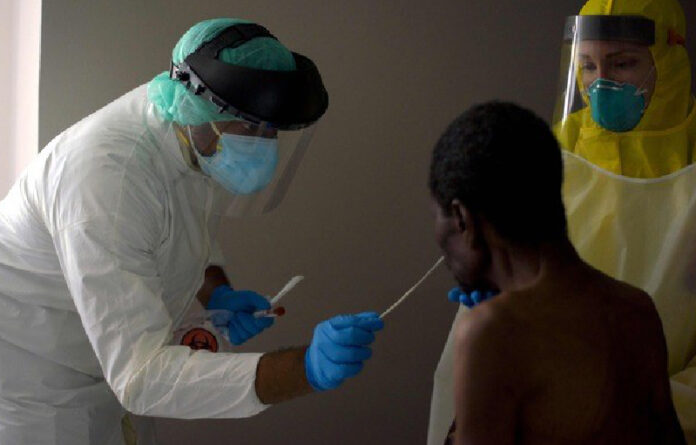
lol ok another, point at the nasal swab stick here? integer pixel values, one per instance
(287, 288)
(408, 292)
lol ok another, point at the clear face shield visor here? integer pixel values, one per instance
(606, 68)
(254, 163)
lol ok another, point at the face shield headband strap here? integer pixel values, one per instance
(624, 28)
(287, 100)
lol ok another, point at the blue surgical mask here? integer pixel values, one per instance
(241, 164)
(616, 106)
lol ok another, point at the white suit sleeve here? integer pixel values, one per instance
(108, 226)
(684, 397)
(216, 256)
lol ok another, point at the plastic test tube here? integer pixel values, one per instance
(272, 312)
(280, 310)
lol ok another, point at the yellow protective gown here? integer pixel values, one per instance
(644, 232)
(631, 205)
(634, 217)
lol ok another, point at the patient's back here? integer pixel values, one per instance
(593, 360)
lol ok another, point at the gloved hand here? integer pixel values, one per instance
(471, 299)
(339, 348)
(241, 323)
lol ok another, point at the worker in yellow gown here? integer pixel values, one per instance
(626, 120)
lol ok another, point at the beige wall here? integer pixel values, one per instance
(356, 222)
(20, 35)
(6, 96)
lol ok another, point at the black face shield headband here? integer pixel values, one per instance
(287, 100)
(623, 28)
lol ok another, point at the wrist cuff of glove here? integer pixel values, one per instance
(310, 376)
(217, 294)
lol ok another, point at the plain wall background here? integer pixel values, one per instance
(20, 40)
(357, 220)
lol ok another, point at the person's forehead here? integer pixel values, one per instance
(608, 47)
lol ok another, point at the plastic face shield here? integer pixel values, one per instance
(605, 47)
(257, 105)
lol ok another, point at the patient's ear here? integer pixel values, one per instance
(469, 225)
(460, 214)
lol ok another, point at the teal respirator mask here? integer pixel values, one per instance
(266, 121)
(617, 106)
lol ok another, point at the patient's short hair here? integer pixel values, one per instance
(502, 161)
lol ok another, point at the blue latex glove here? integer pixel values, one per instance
(241, 323)
(471, 299)
(339, 348)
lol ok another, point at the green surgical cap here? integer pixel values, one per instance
(176, 104)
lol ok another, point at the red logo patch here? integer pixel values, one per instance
(199, 338)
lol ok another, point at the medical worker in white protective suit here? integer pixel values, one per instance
(627, 122)
(108, 236)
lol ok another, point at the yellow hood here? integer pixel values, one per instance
(664, 140)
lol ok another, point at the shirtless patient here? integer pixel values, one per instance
(563, 354)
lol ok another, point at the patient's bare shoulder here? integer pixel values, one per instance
(486, 324)
(485, 380)
(492, 334)
(632, 313)
(626, 295)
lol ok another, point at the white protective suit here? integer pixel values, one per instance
(642, 231)
(103, 244)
